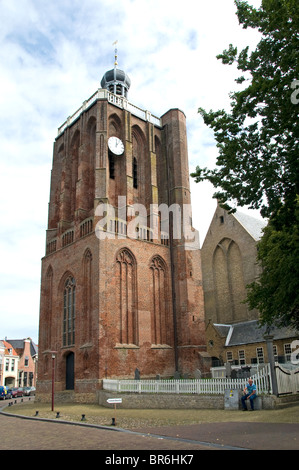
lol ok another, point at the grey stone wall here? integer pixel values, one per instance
(163, 401)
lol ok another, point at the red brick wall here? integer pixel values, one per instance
(26, 364)
(150, 316)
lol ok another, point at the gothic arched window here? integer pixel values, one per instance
(160, 325)
(230, 290)
(69, 311)
(73, 173)
(135, 174)
(127, 297)
(48, 308)
(89, 157)
(111, 165)
(87, 296)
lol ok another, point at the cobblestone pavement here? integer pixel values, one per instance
(34, 434)
(254, 436)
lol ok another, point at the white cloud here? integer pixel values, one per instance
(52, 57)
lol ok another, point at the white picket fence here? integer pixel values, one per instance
(215, 386)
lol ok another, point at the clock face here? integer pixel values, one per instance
(116, 146)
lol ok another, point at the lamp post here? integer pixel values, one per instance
(53, 353)
(53, 377)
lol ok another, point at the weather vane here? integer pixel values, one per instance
(115, 53)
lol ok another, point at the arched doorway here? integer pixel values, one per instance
(69, 371)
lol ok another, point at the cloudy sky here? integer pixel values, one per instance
(53, 55)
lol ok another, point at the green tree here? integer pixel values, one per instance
(276, 293)
(258, 140)
(257, 163)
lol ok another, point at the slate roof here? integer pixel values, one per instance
(19, 344)
(223, 330)
(251, 332)
(252, 225)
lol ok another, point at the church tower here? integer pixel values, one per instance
(121, 283)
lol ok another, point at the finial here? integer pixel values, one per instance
(115, 53)
(116, 81)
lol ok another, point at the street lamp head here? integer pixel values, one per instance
(53, 353)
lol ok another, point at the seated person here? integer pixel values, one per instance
(249, 393)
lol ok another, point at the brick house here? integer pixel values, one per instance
(27, 351)
(121, 284)
(243, 343)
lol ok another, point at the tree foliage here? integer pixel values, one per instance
(276, 293)
(257, 163)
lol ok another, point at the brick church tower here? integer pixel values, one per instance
(121, 283)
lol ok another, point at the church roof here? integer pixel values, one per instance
(252, 225)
